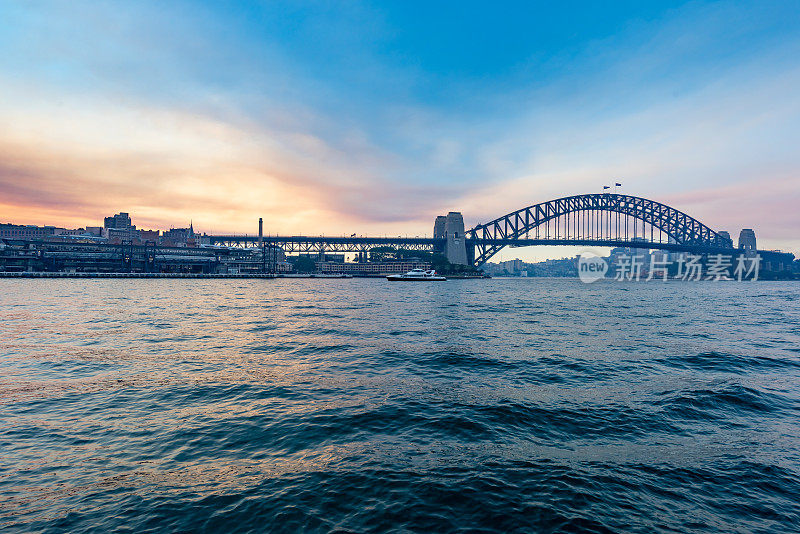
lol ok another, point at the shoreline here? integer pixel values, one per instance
(131, 275)
(44, 274)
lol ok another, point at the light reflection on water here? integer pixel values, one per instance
(359, 404)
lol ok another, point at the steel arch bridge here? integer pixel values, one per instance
(605, 219)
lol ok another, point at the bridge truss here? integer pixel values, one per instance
(323, 244)
(606, 219)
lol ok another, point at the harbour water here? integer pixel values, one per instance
(359, 405)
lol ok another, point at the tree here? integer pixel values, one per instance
(440, 264)
(304, 264)
(382, 253)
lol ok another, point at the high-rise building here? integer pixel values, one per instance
(120, 221)
(119, 228)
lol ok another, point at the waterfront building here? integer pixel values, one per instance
(383, 267)
(30, 232)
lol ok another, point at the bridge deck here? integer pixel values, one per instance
(365, 243)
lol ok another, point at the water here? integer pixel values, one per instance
(361, 405)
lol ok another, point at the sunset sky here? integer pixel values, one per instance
(375, 117)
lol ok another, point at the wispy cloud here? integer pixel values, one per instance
(329, 121)
(168, 166)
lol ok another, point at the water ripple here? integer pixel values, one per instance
(360, 406)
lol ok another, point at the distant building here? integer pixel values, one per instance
(616, 254)
(512, 266)
(564, 267)
(336, 258)
(560, 268)
(28, 232)
(178, 236)
(146, 236)
(640, 255)
(119, 228)
(77, 232)
(116, 235)
(120, 221)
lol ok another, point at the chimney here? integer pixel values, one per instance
(260, 232)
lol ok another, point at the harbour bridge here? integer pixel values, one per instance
(602, 219)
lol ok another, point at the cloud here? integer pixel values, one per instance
(770, 206)
(215, 119)
(735, 136)
(166, 166)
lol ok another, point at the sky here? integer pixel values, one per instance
(374, 117)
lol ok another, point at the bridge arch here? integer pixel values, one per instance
(598, 218)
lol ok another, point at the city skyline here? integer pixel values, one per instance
(221, 115)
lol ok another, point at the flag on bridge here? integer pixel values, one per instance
(606, 187)
(617, 184)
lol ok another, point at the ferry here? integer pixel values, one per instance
(417, 275)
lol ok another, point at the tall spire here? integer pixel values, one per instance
(191, 228)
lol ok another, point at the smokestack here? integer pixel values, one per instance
(260, 232)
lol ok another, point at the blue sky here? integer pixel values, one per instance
(373, 117)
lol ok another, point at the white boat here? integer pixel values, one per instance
(417, 275)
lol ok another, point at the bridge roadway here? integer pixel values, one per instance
(318, 244)
(311, 244)
(607, 220)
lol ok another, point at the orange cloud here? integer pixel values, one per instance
(69, 166)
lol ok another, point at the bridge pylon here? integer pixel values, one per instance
(451, 229)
